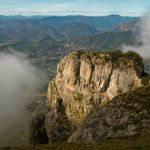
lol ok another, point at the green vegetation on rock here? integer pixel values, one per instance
(129, 58)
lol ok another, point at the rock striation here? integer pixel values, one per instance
(81, 101)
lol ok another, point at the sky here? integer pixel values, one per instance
(74, 7)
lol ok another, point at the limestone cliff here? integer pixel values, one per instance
(86, 82)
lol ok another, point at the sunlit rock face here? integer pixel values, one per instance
(87, 81)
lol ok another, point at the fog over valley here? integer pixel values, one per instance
(20, 81)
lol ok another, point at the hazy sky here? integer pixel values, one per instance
(74, 7)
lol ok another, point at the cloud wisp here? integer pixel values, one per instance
(143, 37)
(19, 82)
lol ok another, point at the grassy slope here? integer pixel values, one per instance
(140, 143)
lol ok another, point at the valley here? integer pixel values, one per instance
(47, 39)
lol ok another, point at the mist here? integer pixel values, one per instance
(20, 81)
(142, 37)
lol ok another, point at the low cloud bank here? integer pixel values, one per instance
(19, 82)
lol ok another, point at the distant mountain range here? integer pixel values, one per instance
(104, 41)
(46, 39)
(35, 28)
(76, 30)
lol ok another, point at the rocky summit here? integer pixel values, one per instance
(92, 98)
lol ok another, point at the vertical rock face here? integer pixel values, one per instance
(85, 81)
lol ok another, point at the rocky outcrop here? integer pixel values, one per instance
(126, 115)
(85, 83)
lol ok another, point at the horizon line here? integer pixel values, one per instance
(70, 13)
(48, 15)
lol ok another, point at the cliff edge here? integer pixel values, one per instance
(82, 104)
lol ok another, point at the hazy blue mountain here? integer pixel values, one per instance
(104, 41)
(35, 28)
(76, 30)
(129, 26)
(17, 30)
(102, 23)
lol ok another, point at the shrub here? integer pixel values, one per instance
(135, 57)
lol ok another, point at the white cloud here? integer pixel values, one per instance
(144, 37)
(20, 81)
(65, 7)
